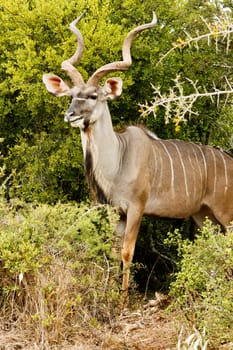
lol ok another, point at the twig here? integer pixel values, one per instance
(178, 105)
(222, 28)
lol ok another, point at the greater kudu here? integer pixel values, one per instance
(134, 170)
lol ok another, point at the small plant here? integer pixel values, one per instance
(195, 341)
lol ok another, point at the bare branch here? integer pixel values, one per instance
(222, 28)
(177, 105)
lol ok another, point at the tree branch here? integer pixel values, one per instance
(221, 28)
(178, 105)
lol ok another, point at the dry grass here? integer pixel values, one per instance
(28, 324)
(44, 315)
(55, 310)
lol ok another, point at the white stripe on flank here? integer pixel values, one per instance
(194, 192)
(172, 167)
(215, 170)
(183, 168)
(198, 164)
(204, 161)
(158, 167)
(225, 170)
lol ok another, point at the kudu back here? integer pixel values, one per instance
(134, 170)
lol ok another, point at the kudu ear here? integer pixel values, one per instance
(113, 87)
(56, 85)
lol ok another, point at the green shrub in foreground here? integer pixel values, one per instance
(57, 275)
(203, 286)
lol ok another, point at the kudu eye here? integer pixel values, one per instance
(93, 97)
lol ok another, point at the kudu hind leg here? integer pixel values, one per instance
(128, 247)
(206, 212)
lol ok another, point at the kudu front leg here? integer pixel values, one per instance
(133, 222)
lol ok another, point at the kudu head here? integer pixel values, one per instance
(89, 99)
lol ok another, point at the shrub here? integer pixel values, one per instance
(47, 171)
(57, 272)
(203, 286)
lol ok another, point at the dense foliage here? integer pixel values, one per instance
(203, 286)
(57, 273)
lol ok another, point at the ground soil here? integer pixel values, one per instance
(151, 327)
(145, 331)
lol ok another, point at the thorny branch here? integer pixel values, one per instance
(181, 104)
(222, 28)
(176, 103)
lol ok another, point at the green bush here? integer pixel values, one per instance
(57, 272)
(203, 286)
(46, 170)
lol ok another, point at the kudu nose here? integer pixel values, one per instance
(68, 115)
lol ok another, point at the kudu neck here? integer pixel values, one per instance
(103, 131)
(103, 143)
